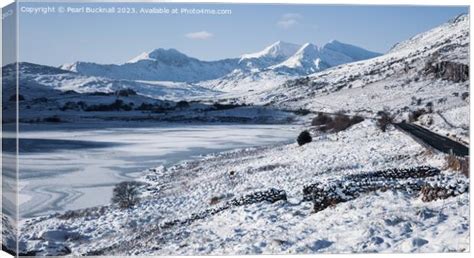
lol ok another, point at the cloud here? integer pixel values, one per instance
(199, 35)
(286, 24)
(295, 16)
(289, 20)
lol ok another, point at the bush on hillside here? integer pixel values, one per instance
(304, 138)
(52, 119)
(117, 105)
(182, 104)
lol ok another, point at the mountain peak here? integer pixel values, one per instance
(308, 45)
(275, 50)
(307, 50)
(305, 60)
(351, 51)
(161, 54)
(334, 41)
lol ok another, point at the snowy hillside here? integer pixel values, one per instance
(428, 71)
(49, 94)
(243, 83)
(63, 80)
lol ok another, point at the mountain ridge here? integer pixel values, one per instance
(162, 64)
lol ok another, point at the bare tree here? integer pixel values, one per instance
(126, 194)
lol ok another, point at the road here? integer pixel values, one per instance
(438, 142)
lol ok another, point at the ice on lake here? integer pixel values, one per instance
(64, 167)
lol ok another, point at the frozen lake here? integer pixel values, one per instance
(65, 167)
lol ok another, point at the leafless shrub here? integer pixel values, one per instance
(341, 122)
(415, 114)
(214, 200)
(416, 101)
(94, 212)
(429, 107)
(459, 164)
(335, 123)
(384, 119)
(432, 193)
(356, 119)
(321, 119)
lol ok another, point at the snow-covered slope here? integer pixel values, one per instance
(63, 80)
(51, 94)
(46, 92)
(244, 82)
(453, 30)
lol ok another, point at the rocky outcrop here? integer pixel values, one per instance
(447, 70)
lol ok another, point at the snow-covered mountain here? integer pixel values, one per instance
(311, 58)
(158, 65)
(284, 61)
(172, 65)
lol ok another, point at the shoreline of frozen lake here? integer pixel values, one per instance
(75, 166)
